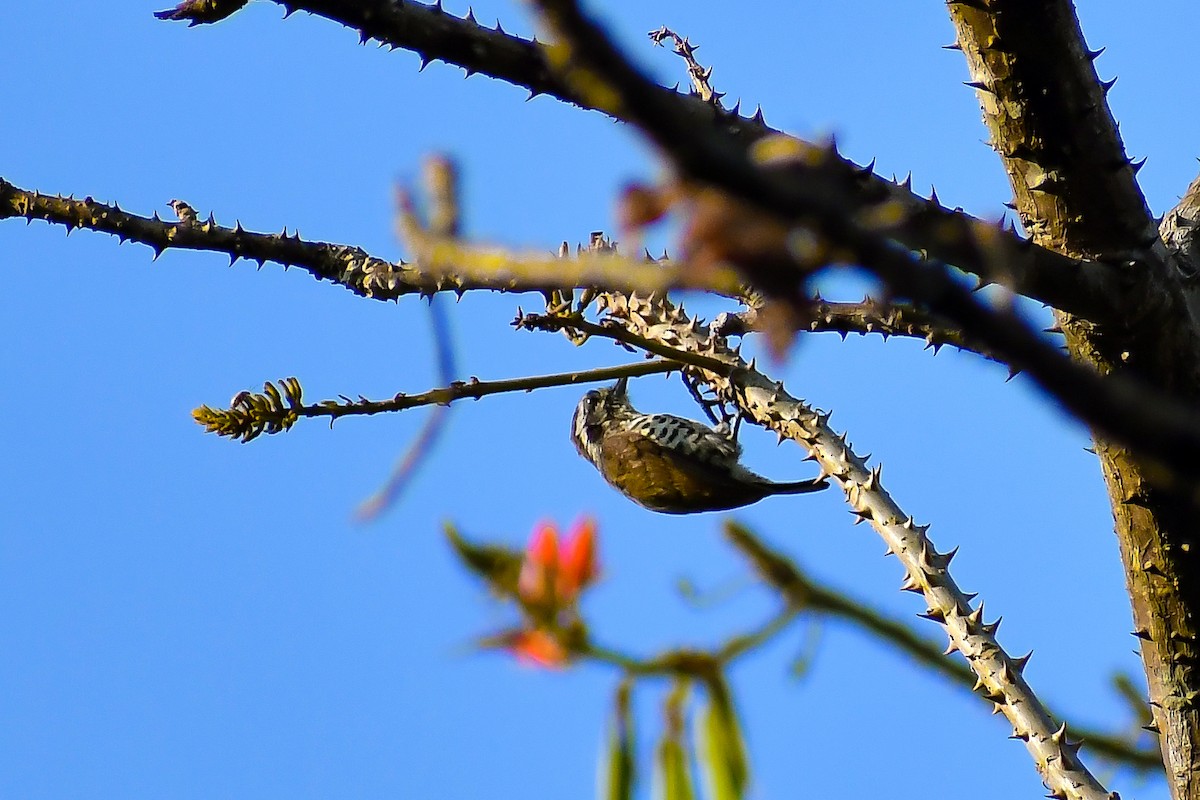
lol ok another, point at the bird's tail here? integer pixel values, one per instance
(799, 487)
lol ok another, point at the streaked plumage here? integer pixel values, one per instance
(667, 463)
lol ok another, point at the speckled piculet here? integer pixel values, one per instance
(667, 463)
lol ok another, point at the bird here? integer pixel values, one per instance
(187, 215)
(666, 463)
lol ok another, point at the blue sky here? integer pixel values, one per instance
(187, 617)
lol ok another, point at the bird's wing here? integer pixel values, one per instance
(662, 479)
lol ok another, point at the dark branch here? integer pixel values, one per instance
(454, 268)
(1151, 423)
(1082, 288)
(869, 316)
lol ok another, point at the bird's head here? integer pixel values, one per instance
(597, 410)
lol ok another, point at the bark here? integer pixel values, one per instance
(1077, 194)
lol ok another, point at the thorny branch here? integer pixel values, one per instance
(863, 318)
(457, 270)
(446, 264)
(763, 402)
(701, 85)
(925, 566)
(576, 322)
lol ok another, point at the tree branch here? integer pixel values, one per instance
(278, 408)
(455, 268)
(869, 316)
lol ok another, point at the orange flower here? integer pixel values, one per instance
(554, 575)
(539, 648)
(577, 560)
(536, 582)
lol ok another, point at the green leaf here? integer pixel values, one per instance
(617, 762)
(672, 768)
(499, 566)
(719, 744)
(674, 773)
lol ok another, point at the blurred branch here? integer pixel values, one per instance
(1134, 697)
(806, 595)
(277, 409)
(441, 181)
(1082, 288)
(439, 251)
(421, 446)
(692, 662)
(807, 195)
(442, 254)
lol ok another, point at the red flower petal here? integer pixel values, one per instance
(541, 561)
(577, 559)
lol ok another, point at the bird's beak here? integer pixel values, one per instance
(620, 389)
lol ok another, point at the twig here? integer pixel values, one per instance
(604, 268)
(699, 76)
(558, 322)
(250, 415)
(692, 662)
